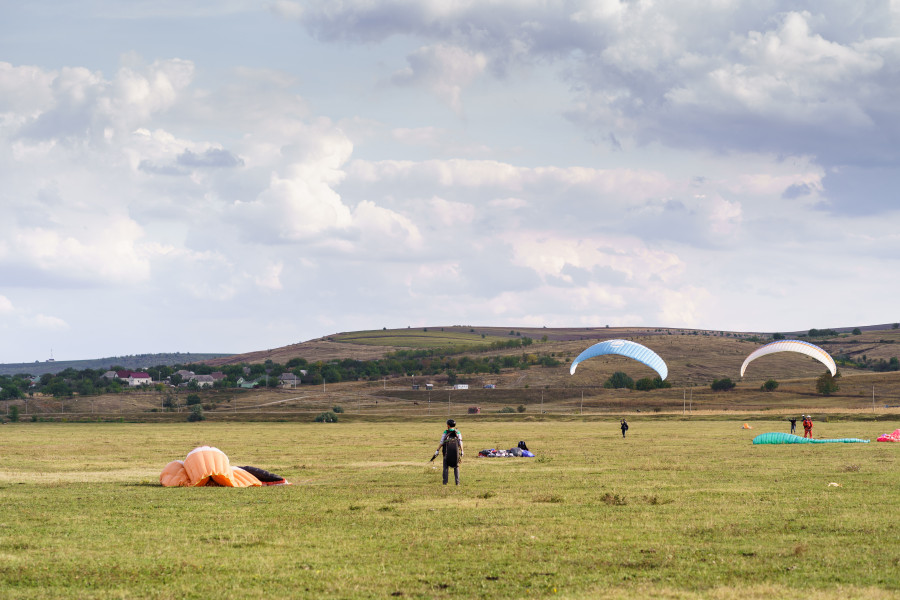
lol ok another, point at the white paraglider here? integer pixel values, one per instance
(624, 348)
(792, 346)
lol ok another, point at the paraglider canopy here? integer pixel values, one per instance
(792, 346)
(624, 348)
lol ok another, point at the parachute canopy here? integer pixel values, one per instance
(624, 348)
(792, 346)
(788, 438)
(890, 437)
(208, 466)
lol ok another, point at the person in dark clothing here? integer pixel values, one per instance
(624, 427)
(793, 422)
(452, 447)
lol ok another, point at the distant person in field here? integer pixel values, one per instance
(793, 422)
(452, 447)
(624, 427)
(807, 426)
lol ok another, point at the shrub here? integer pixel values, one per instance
(520, 408)
(196, 413)
(192, 399)
(619, 380)
(646, 384)
(826, 384)
(337, 409)
(857, 331)
(13, 413)
(722, 385)
(506, 409)
(777, 336)
(326, 417)
(769, 386)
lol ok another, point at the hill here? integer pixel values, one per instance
(133, 361)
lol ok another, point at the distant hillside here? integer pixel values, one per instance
(134, 362)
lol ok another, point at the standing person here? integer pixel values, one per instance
(624, 427)
(452, 447)
(807, 426)
(793, 421)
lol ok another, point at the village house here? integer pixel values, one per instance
(288, 380)
(134, 378)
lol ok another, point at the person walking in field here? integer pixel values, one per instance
(807, 426)
(793, 422)
(452, 447)
(624, 427)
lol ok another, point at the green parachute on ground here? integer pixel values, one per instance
(789, 438)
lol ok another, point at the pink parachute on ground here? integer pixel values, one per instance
(208, 466)
(890, 437)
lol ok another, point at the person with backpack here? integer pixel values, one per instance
(624, 427)
(452, 447)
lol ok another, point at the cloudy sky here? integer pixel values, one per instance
(235, 175)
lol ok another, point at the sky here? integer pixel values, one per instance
(237, 175)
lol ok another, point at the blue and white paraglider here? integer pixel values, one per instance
(806, 348)
(624, 348)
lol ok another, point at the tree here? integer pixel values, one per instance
(769, 386)
(13, 413)
(856, 331)
(826, 384)
(192, 399)
(777, 336)
(196, 413)
(722, 385)
(895, 326)
(619, 380)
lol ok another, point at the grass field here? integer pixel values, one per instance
(679, 509)
(417, 338)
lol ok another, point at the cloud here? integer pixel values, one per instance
(6, 306)
(444, 70)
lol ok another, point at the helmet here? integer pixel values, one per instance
(451, 423)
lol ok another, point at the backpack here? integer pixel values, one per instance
(451, 449)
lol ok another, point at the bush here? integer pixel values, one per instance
(769, 386)
(196, 413)
(646, 384)
(507, 409)
(326, 417)
(619, 380)
(722, 385)
(826, 384)
(856, 331)
(192, 399)
(337, 409)
(520, 408)
(777, 336)
(13, 413)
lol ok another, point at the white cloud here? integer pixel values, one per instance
(452, 213)
(5, 305)
(442, 69)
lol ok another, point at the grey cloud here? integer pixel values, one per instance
(688, 76)
(797, 190)
(148, 166)
(211, 158)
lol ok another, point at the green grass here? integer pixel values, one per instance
(416, 338)
(679, 509)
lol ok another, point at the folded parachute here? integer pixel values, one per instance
(788, 438)
(624, 348)
(208, 466)
(890, 437)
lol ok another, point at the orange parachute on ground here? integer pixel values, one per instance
(206, 465)
(747, 426)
